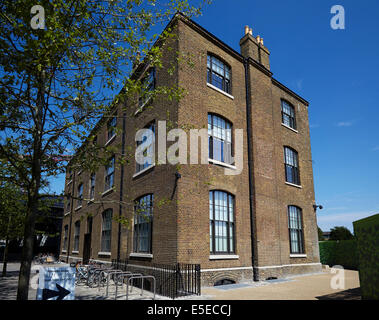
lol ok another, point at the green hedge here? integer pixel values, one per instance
(367, 233)
(343, 253)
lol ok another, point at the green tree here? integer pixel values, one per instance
(59, 76)
(340, 233)
(12, 211)
(320, 234)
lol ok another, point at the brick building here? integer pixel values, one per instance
(254, 225)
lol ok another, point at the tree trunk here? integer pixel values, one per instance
(33, 194)
(5, 258)
(27, 252)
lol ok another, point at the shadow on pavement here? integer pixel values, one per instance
(350, 294)
(8, 286)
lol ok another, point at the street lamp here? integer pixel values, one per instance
(315, 206)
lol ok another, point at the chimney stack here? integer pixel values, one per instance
(253, 48)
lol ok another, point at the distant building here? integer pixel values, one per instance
(326, 235)
(49, 225)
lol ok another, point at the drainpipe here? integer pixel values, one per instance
(121, 188)
(250, 164)
(71, 213)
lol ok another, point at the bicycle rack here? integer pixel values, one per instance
(125, 274)
(109, 273)
(140, 277)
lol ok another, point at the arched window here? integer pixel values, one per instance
(147, 155)
(106, 231)
(143, 222)
(295, 227)
(218, 74)
(288, 115)
(291, 163)
(221, 226)
(219, 139)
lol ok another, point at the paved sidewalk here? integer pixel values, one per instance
(305, 287)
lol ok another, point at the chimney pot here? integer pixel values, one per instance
(246, 29)
(251, 31)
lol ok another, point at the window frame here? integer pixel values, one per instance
(229, 223)
(80, 194)
(92, 184)
(298, 231)
(106, 232)
(147, 87)
(226, 83)
(139, 167)
(112, 164)
(136, 222)
(211, 138)
(295, 170)
(292, 118)
(111, 128)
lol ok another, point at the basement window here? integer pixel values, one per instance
(224, 282)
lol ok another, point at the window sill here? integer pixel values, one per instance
(91, 201)
(223, 164)
(101, 253)
(64, 251)
(67, 213)
(107, 192)
(298, 255)
(293, 185)
(68, 183)
(294, 130)
(110, 140)
(219, 90)
(141, 255)
(223, 256)
(78, 208)
(75, 252)
(144, 170)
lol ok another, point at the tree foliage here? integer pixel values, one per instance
(320, 234)
(56, 82)
(340, 233)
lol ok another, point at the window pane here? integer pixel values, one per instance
(220, 137)
(143, 224)
(223, 234)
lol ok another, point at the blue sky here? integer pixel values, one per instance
(336, 71)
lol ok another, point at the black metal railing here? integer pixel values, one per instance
(173, 281)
